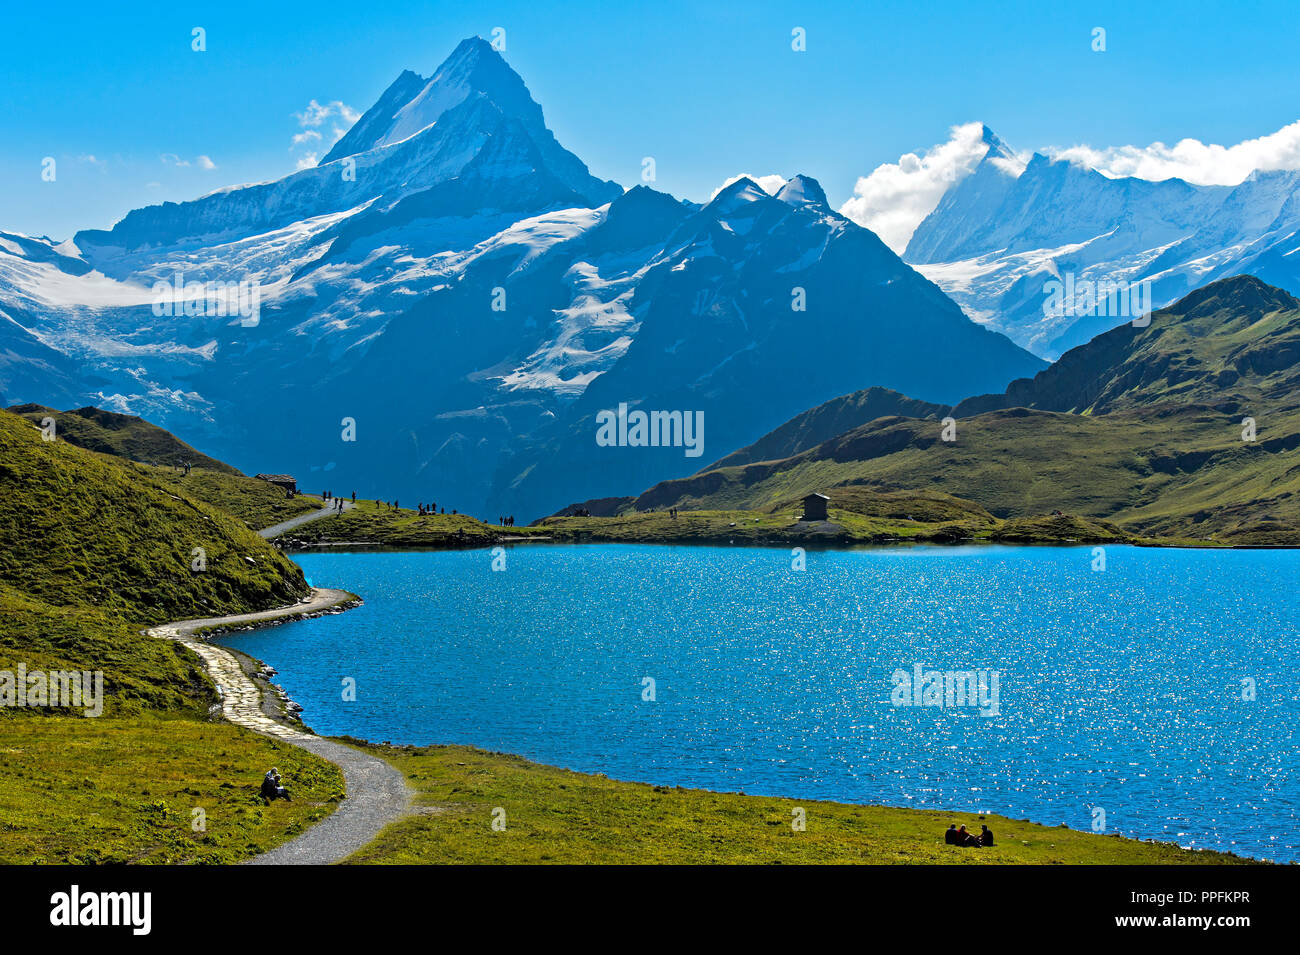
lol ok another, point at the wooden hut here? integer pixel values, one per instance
(814, 507)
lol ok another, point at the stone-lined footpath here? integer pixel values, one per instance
(377, 793)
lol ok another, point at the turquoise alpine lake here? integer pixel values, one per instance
(1149, 692)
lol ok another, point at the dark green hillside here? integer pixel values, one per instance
(160, 455)
(140, 672)
(123, 436)
(80, 528)
(256, 503)
(1235, 342)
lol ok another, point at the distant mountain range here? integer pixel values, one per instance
(1003, 233)
(454, 289)
(1189, 427)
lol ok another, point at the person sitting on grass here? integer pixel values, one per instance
(965, 838)
(271, 788)
(950, 837)
(986, 836)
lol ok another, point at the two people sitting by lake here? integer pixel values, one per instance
(960, 837)
(271, 788)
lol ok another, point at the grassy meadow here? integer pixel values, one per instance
(124, 790)
(556, 816)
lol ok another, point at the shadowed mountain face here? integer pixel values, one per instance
(455, 291)
(1188, 426)
(1000, 238)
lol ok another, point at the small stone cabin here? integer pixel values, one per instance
(285, 481)
(814, 507)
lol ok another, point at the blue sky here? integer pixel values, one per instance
(709, 89)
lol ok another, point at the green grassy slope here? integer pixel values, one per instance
(123, 436)
(1234, 342)
(81, 528)
(256, 503)
(109, 790)
(140, 673)
(556, 816)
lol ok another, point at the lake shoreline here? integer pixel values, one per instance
(362, 547)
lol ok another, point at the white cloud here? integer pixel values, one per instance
(310, 120)
(171, 159)
(893, 200)
(770, 184)
(1193, 160)
(315, 113)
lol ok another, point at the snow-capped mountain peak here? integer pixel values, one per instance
(412, 104)
(803, 190)
(473, 123)
(1003, 237)
(736, 196)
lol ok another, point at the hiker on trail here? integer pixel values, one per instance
(986, 836)
(354, 497)
(271, 788)
(950, 837)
